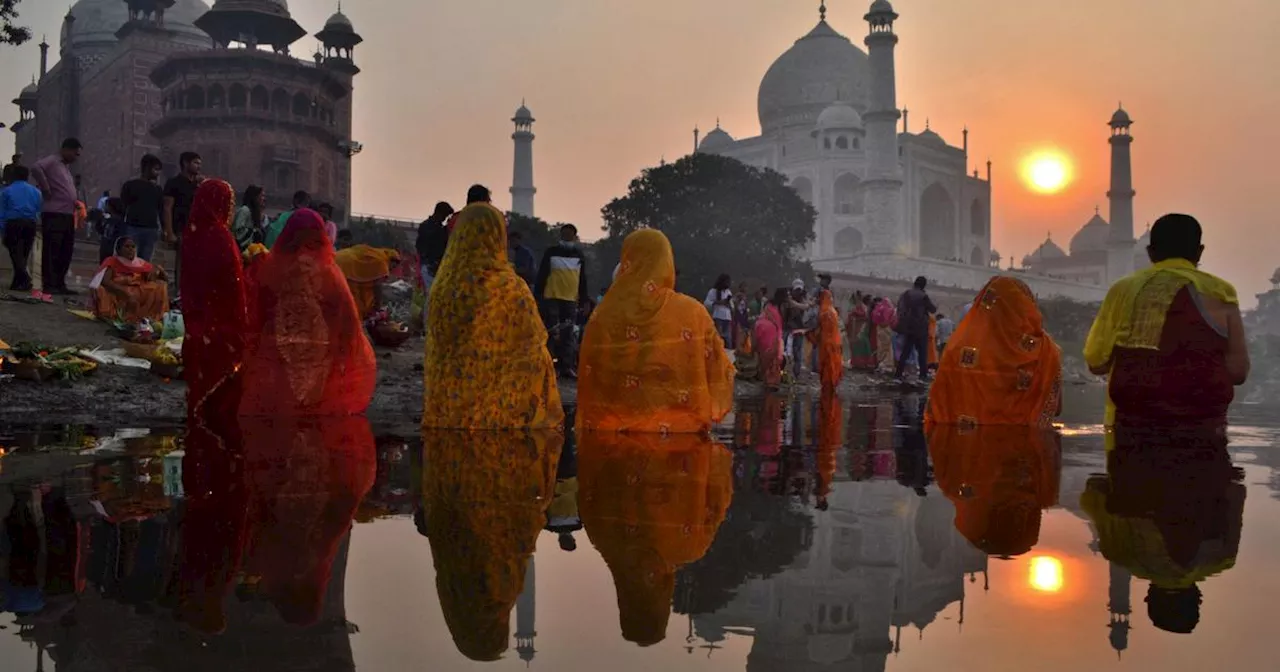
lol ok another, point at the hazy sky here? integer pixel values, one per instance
(617, 84)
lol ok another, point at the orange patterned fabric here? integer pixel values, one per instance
(485, 497)
(651, 359)
(1000, 367)
(307, 352)
(213, 301)
(150, 296)
(486, 362)
(364, 267)
(830, 347)
(1000, 478)
(651, 504)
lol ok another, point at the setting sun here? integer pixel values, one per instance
(1047, 172)
(1046, 574)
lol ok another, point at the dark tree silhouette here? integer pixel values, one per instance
(10, 32)
(721, 215)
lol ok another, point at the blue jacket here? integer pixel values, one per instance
(20, 200)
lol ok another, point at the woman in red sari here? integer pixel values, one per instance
(213, 302)
(306, 353)
(767, 336)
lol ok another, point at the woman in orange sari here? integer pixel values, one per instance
(651, 358)
(827, 340)
(486, 363)
(307, 353)
(213, 301)
(768, 339)
(366, 268)
(129, 288)
(1000, 367)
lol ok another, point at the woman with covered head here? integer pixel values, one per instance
(826, 339)
(307, 353)
(1000, 366)
(651, 359)
(128, 287)
(366, 268)
(486, 363)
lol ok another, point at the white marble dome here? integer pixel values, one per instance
(1047, 250)
(98, 20)
(717, 139)
(1093, 237)
(822, 68)
(839, 116)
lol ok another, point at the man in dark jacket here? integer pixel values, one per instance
(433, 239)
(914, 309)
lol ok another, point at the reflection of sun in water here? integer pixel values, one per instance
(1046, 574)
(1047, 172)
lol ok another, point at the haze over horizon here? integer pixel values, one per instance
(617, 86)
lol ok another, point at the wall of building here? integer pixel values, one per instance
(943, 274)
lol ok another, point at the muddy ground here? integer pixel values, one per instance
(122, 396)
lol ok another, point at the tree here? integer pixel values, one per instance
(10, 33)
(378, 233)
(536, 234)
(721, 215)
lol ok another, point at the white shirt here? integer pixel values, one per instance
(719, 312)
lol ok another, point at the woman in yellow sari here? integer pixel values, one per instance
(651, 504)
(486, 363)
(651, 358)
(1000, 367)
(365, 268)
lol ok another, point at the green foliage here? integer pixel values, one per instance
(721, 215)
(536, 234)
(378, 233)
(10, 32)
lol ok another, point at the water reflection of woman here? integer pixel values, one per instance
(651, 504)
(1170, 510)
(1000, 479)
(485, 496)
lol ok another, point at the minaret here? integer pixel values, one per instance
(1118, 605)
(44, 57)
(522, 189)
(1120, 245)
(526, 613)
(883, 186)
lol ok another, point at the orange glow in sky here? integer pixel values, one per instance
(1047, 172)
(1046, 574)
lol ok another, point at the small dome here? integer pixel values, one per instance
(716, 140)
(1275, 277)
(839, 116)
(1047, 250)
(880, 7)
(1121, 118)
(931, 137)
(29, 91)
(339, 21)
(523, 114)
(1092, 237)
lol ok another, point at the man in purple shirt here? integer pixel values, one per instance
(52, 175)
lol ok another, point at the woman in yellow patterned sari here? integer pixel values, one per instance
(487, 365)
(651, 358)
(365, 268)
(651, 504)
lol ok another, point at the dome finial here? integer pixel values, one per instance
(717, 122)
(1097, 210)
(822, 11)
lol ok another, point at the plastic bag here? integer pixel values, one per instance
(174, 326)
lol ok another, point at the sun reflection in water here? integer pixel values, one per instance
(1046, 574)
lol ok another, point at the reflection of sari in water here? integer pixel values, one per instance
(883, 318)
(651, 359)
(1000, 478)
(365, 267)
(486, 363)
(1000, 367)
(857, 329)
(651, 504)
(933, 342)
(830, 424)
(1170, 510)
(827, 339)
(768, 339)
(213, 301)
(146, 296)
(307, 352)
(485, 495)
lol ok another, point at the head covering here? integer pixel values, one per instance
(307, 351)
(362, 263)
(651, 504)
(1000, 366)
(797, 284)
(486, 363)
(213, 298)
(651, 360)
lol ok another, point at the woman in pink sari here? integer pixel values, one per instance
(884, 317)
(767, 336)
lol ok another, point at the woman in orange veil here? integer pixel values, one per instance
(1000, 367)
(651, 358)
(307, 353)
(827, 340)
(486, 363)
(213, 301)
(365, 268)
(651, 504)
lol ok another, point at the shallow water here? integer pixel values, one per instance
(816, 539)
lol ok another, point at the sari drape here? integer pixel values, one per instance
(1000, 366)
(364, 267)
(213, 301)
(830, 347)
(1000, 478)
(651, 359)
(150, 295)
(307, 353)
(768, 339)
(883, 319)
(651, 504)
(857, 328)
(486, 361)
(485, 497)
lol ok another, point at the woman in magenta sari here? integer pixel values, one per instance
(884, 317)
(767, 336)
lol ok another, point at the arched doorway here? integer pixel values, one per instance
(978, 218)
(849, 199)
(937, 223)
(978, 257)
(848, 242)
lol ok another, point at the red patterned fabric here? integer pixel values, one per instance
(307, 352)
(213, 302)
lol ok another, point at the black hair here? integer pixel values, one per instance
(723, 282)
(301, 199)
(568, 228)
(1176, 236)
(443, 210)
(250, 200)
(921, 282)
(72, 143)
(150, 160)
(21, 173)
(115, 206)
(107, 193)
(781, 296)
(514, 235)
(186, 158)
(325, 206)
(478, 193)
(941, 316)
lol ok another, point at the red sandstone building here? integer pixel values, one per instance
(167, 76)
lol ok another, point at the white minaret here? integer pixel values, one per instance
(522, 189)
(1120, 245)
(883, 186)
